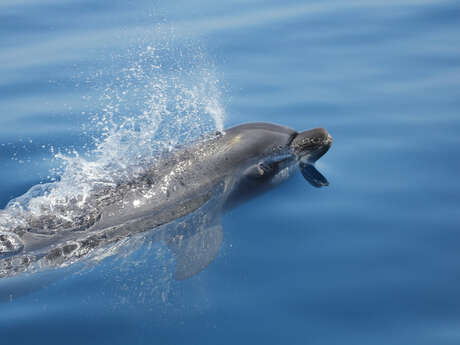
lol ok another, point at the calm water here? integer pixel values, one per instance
(372, 259)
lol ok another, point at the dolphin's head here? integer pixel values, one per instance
(311, 145)
(272, 148)
(307, 147)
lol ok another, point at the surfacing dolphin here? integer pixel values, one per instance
(181, 196)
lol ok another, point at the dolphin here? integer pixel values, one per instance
(179, 197)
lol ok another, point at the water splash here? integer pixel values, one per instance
(164, 96)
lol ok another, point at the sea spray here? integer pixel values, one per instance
(162, 97)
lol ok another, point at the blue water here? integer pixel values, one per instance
(372, 259)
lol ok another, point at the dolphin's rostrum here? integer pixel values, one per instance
(181, 196)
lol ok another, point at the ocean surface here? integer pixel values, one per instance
(372, 259)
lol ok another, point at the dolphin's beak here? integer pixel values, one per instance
(308, 147)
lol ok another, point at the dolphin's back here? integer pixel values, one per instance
(174, 185)
(264, 126)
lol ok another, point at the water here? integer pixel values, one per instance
(372, 259)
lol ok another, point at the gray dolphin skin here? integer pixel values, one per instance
(178, 199)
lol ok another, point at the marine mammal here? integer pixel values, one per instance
(197, 182)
